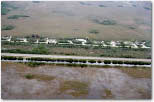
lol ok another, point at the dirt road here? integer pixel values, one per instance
(73, 57)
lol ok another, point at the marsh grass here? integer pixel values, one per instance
(79, 88)
(108, 94)
(137, 72)
(39, 77)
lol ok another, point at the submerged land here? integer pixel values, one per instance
(20, 81)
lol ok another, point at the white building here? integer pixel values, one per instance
(51, 41)
(113, 44)
(134, 45)
(22, 40)
(144, 46)
(82, 40)
(70, 41)
(37, 41)
(7, 38)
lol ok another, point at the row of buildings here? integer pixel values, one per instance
(83, 42)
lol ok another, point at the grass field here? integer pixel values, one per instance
(89, 51)
(112, 21)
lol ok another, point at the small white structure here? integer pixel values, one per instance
(113, 44)
(7, 38)
(103, 44)
(143, 46)
(51, 41)
(82, 40)
(134, 45)
(37, 41)
(22, 40)
(70, 41)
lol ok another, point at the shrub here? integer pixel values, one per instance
(69, 60)
(102, 6)
(16, 16)
(114, 62)
(83, 65)
(8, 27)
(91, 61)
(19, 58)
(29, 76)
(117, 62)
(99, 61)
(82, 60)
(9, 58)
(137, 63)
(34, 64)
(107, 61)
(94, 31)
(75, 60)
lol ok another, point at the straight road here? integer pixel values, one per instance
(73, 57)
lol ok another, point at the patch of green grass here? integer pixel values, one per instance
(102, 6)
(105, 22)
(147, 8)
(108, 94)
(131, 27)
(36, 1)
(8, 27)
(79, 88)
(94, 31)
(39, 77)
(16, 16)
(29, 76)
(6, 7)
(108, 22)
(34, 64)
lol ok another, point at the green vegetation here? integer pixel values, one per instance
(105, 22)
(92, 61)
(99, 61)
(36, 1)
(102, 6)
(147, 8)
(6, 7)
(108, 22)
(131, 27)
(117, 62)
(71, 50)
(94, 31)
(108, 94)
(40, 49)
(11, 58)
(137, 63)
(7, 27)
(34, 64)
(107, 61)
(148, 43)
(39, 77)
(134, 5)
(76, 49)
(29, 76)
(16, 16)
(79, 88)
(120, 6)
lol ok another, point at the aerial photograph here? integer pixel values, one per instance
(76, 50)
